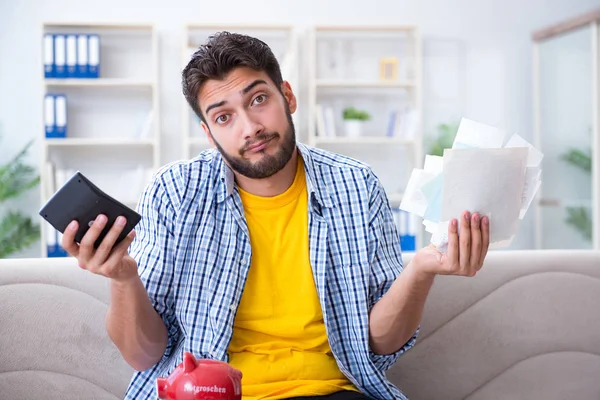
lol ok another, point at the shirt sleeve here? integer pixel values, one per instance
(386, 262)
(152, 249)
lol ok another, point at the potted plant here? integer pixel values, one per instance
(17, 231)
(354, 120)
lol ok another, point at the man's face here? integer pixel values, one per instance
(249, 121)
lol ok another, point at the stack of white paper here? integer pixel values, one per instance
(486, 171)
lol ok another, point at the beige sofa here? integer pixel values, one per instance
(526, 327)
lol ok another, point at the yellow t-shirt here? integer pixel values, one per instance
(279, 339)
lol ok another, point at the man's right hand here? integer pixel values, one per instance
(114, 263)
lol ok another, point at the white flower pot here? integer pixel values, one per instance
(353, 127)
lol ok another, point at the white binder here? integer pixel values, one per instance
(94, 56)
(49, 56)
(61, 115)
(82, 56)
(60, 57)
(49, 120)
(71, 56)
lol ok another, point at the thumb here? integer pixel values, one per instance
(121, 249)
(434, 252)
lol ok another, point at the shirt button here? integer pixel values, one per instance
(232, 307)
(243, 262)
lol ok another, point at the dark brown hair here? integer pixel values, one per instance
(223, 52)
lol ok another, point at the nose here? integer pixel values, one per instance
(250, 126)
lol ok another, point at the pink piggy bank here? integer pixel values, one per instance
(201, 379)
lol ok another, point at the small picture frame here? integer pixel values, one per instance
(388, 69)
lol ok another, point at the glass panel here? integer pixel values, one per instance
(566, 140)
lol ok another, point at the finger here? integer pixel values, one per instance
(485, 238)
(465, 242)
(68, 240)
(86, 246)
(452, 252)
(106, 246)
(117, 255)
(476, 242)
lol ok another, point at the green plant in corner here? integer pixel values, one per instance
(17, 231)
(351, 113)
(579, 217)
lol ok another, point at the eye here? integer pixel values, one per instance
(260, 99)
(221, 119)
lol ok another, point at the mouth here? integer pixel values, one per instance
(259, 146)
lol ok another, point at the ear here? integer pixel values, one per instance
(289, 96)
(189, 362)
(207, 133)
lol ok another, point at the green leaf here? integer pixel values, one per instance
(443, 140)
(579, 159)
(17, 232)
(579, 218)
(16, 177)
(353, 113)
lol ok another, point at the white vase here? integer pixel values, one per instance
(353, 127)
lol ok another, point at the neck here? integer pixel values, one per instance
(273, 185)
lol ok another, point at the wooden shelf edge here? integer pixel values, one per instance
(98, 25)
(97, 82)
(73, 142)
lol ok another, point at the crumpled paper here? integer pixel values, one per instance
(486, 171)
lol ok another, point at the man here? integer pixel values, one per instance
(281, 259)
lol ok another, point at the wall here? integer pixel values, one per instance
(492, 37)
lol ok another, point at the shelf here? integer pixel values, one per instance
(322, 83)
(365, 28)
(257, 27)
(553, 202)
(347, 67)
(75, 142)
(98, 82)
(97, 26)
(363, 140)
(112, 121)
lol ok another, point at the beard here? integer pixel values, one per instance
(269, 164)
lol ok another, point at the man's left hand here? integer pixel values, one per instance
(466, 250)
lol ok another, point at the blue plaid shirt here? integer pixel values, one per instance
(193, 251)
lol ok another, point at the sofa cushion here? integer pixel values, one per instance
(52, 333)
(525, 327)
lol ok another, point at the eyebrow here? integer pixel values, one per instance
(252, 85)
(243, 91)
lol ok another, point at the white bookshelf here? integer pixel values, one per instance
(113, 121)
(280, 38)
(344, 71)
